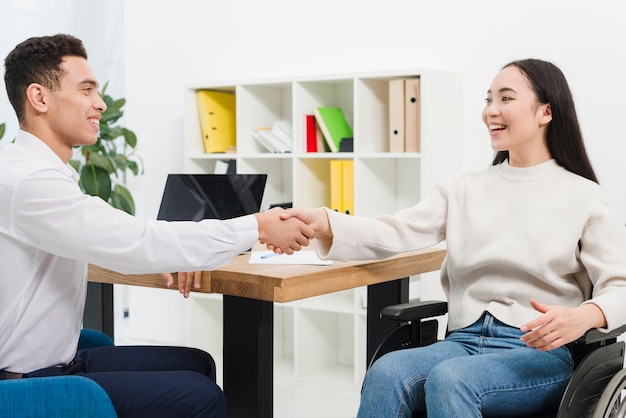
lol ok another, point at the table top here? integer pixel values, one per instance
(286, 283)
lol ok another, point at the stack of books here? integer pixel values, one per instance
(327, 130)
(277, 139)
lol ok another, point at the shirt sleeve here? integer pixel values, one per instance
(418, 227)
(51, 213)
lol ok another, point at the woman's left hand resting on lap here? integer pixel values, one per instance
(560, 325)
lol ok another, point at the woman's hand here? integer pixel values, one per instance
(560, 325)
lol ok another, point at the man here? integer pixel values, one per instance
(50, 230)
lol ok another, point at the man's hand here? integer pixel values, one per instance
(316, 219)
(185, 281)
(559, 325)
(285, 236)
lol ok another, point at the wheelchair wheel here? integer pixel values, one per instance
(612, 403)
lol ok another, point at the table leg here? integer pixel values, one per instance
(379, 296)
(98, 313)
(248, 357)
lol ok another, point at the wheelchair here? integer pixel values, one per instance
(597, 388)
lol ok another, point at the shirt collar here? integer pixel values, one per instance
(39, 148)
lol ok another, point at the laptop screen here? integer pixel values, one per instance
(193, 197)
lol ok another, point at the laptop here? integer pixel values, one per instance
(193, 197)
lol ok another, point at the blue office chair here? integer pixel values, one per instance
(595, 390)
(59, 396)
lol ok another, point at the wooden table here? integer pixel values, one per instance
(250, 291)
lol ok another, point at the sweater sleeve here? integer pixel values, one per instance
(362, 238)
(603, 253)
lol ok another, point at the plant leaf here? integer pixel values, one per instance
(122, 199)
(95, 181)
(3, 128)
(133, 166)
(109, 157)
(130, 138)
(103, 161)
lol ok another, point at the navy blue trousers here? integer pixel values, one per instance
(151, 381)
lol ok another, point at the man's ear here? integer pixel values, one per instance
(544, 114)
(37, 97)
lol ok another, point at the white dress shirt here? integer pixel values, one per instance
(50, 230)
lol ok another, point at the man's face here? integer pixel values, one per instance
(74, 110)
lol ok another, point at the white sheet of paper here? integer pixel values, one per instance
(299, 257)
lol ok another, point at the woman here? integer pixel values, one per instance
(536, 257)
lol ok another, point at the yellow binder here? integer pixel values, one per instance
(216, 110)
(348, 187)
(336, 185)
(342, 186)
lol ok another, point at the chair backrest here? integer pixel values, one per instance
(90, 338)
(56, 396)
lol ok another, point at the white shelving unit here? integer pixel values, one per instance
(322, 339)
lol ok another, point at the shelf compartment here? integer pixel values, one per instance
(309, 95)
(385, 185)
(314, 175)
(259, 106)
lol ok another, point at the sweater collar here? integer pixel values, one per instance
(536, 172)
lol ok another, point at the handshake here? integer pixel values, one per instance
(285, 231)
(282, 231)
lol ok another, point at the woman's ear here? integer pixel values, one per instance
(544, 114)
(36, 97)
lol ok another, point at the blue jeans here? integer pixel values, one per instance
(483, 369)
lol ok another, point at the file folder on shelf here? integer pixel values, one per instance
(396, 115)
(336, 185)
(348, 187)
(342, 186)
(216, 110)
(412, 112)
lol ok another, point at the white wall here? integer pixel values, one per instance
(99, 24)
(170, 45)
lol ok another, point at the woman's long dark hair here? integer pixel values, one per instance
(563, 136)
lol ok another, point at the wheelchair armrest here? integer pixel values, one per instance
(414, 310)
(594, 335)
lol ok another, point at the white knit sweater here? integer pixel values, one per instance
(512, 234)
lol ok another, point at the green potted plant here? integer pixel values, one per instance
(3, 127)
(102, 166)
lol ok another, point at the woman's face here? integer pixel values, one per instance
(516, 121)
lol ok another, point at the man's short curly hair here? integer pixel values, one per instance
(38, 60)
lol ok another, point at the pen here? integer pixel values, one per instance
(263, 257)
